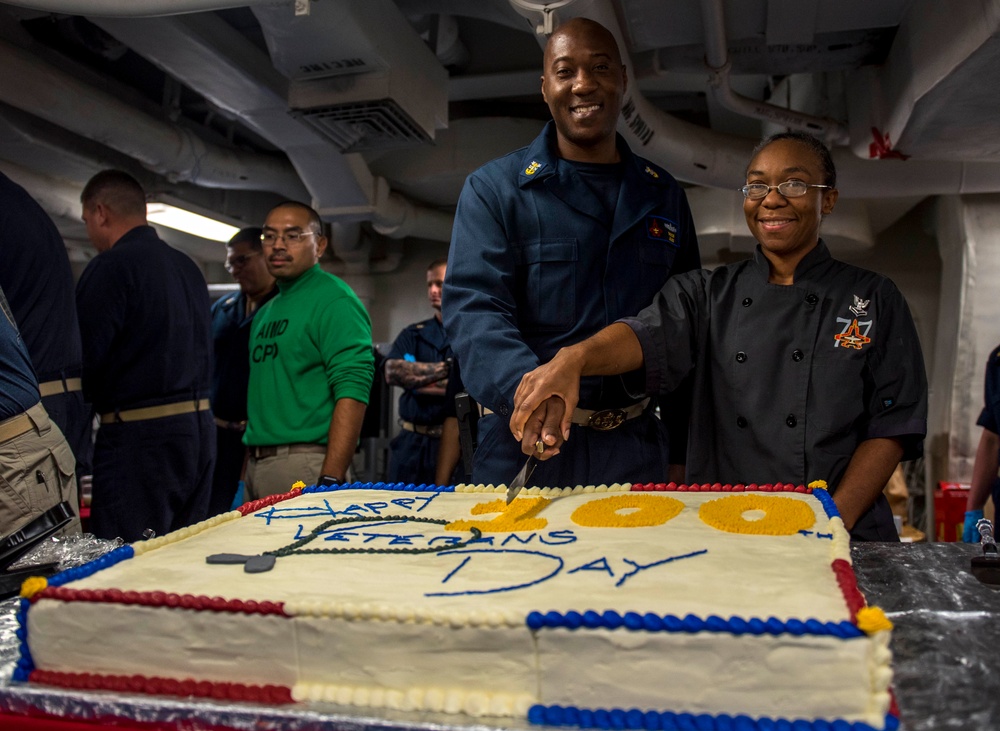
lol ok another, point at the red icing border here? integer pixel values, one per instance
(162, 599)
(848, 583)
(273, 694)
(255, 505)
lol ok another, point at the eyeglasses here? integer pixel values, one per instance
(789, 189)
(291, 237)
(238, 262)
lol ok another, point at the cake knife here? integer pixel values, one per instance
(522, 477)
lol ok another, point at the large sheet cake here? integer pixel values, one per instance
(640, 606)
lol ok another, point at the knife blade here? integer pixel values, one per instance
(522, 477)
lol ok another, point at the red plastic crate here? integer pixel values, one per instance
(949, 510)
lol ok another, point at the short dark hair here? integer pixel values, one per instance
(250, 235)
(821, 151)
(117, 191)
(314, 220)
(437, 263)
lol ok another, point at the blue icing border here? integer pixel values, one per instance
(25, 663)
(619, 718)
(826, 500)
(650, 622)
(391, 486)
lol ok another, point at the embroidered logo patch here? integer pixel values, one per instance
(662, 229)
(532, 168)
(854, 334)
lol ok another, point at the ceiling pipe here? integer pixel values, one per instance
(698, 155)
(717, 60)
(397, 217)
(172, 151)
(137, 8)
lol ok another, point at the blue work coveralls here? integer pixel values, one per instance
(532, 268)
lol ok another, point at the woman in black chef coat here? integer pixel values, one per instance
(805, 368)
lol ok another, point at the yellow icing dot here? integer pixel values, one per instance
(782, 516)
(872, 619)
(298, 485)
(32, 586)
(643, 510)
(819, 485)
(518, 516)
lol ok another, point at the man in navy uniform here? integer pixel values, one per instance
(232, 317)
(550, 244)
(147, 368)
(38, 282)
(418, 363)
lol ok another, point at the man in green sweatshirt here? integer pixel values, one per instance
(311, 363)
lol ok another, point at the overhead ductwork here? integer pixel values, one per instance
(359, 74)
(698, 155)
(931, 99)
(222, 65)
(170, 150)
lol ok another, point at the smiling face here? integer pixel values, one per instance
(288, 260)
(583, 82)
(787, 228)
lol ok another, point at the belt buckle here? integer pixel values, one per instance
(606, 419)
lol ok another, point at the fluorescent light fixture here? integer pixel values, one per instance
(188, 222)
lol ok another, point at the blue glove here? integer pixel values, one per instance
(970, 534)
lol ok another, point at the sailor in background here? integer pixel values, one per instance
(147, 368)
(418, 363)
(984, 470)
(232, 317)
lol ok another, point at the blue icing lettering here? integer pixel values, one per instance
(639, 567)
(558, 538)
(515, 537)
(376, 508)
(600, 564)
(544, 566)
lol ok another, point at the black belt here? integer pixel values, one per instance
(273, 450)
(601, 419)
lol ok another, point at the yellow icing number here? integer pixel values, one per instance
(627, 511)
(518, 516)
(775, 516)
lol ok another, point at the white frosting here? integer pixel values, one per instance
(447, 631)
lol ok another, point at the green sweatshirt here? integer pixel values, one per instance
(310, 346)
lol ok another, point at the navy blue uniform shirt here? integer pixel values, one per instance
(18, 388)
(231, 336)
(421, 342)
(38, 281)
(145, 325)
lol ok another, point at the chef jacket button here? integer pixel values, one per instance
(811, 299)
(790, 420)
(747, 301)
(797, 355)
(741, 357)
(741, 422)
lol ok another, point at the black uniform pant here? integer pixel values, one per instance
(230, 453)
(413, 458)
(155, 474)
(876, 524)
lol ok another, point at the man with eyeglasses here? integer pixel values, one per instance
(232, 316)
(311, 363)
(805, 368)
